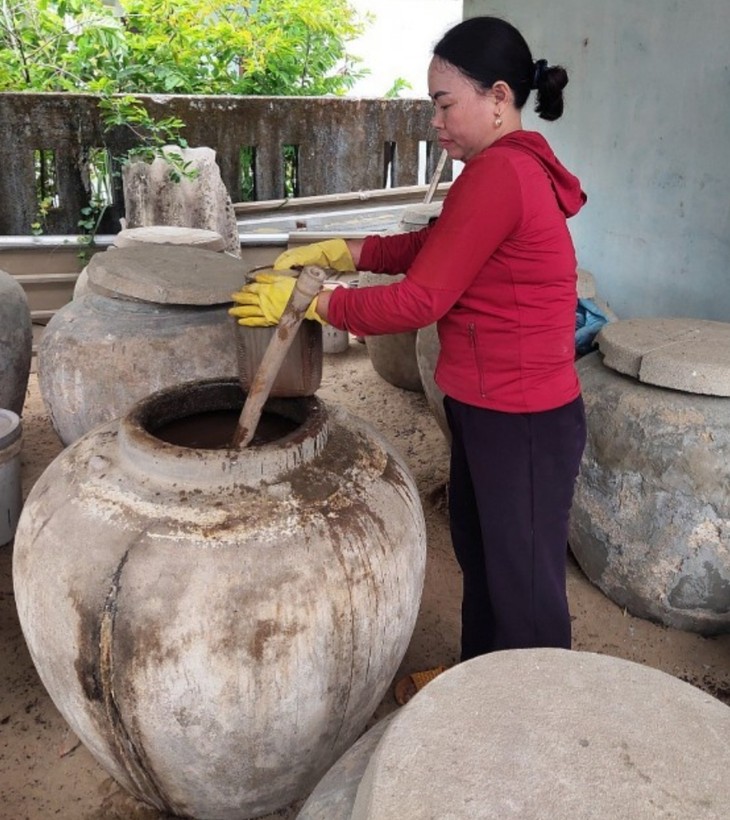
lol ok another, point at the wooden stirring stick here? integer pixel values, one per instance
(308, 285)
(436, 177)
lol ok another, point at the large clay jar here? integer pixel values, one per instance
(16, 344)
(155, 317)
(217, 626)
(650, 524)
(428, 348)
(392, 355)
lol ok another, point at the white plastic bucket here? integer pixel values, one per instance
(334, 340)
(11, 493)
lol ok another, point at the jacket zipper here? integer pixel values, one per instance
(477, 360)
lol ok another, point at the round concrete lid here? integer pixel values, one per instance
(538, 733)
(169, 235)
(683, 354)
(418, 216)
(10, 428)
(165, 274)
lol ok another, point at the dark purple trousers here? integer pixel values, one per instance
(511, 486)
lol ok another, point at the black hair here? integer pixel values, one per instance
(488, 49)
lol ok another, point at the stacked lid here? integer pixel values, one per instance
(692, 355)
(169, 235)
(166, 274)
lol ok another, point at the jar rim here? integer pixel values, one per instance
(143, 451)
(10, 427)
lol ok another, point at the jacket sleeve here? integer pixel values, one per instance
(481, 210)
(392, 253)
(393, 308)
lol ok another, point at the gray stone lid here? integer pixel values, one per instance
(169, 235)
(586, 284)
(166, 274)
(418, 216)
(532, 734)
(683, 354)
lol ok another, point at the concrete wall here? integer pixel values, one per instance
(647, 129)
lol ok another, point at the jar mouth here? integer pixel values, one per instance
(151, 439)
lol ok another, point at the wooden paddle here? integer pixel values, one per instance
(308, 285)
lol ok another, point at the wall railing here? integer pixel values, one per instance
(337, 145)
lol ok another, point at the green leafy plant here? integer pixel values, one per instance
(399, 85)
(91, 216)
(46, 194)
(38, 226)
(153, 137)
(153, 140)
(276, 47)
(130, 47)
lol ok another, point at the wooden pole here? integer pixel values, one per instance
(436, 177)
(308, 285)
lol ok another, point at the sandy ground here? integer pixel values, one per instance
(46, 773)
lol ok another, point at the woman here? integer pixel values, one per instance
(497, 271)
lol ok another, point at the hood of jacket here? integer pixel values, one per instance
(568, 191)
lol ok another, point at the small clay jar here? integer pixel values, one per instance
(153, 317)
(11, 492)
(16, 344)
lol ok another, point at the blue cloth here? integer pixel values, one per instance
(589, 319)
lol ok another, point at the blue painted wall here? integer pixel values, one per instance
(647, 129)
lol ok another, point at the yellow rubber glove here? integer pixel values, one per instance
(332, 253)
(261, 303)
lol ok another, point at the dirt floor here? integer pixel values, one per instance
(46, 773)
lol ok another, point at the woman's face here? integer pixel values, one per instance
(464, 115)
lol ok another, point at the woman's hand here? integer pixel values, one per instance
(261, 303)
(332, 253)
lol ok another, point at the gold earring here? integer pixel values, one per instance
(498, 122)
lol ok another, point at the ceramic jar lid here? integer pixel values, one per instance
(166, 274)
(415, 217)
(10, 428)
(169, 235)
(692, 355)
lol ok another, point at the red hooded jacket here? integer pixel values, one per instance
(496, 270)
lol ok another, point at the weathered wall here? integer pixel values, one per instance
(646, 128)
(344, 144)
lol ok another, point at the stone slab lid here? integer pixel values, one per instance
(166, 274)
(10, 428)
(550, 733)
(334, 795)
(683, 354)
(169, 235)
(418, 216)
